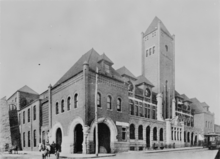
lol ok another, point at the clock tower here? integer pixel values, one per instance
(158, 62)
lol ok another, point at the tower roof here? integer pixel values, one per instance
(124, 71)
(92, 58)
(105, 58)
(142, 79)
(153, 26)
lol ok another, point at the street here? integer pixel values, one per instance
(186, 154)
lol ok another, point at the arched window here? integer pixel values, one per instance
(140, 132)
(146, 53)
(153, 49)
(35, 140)
(109, 102)
(166, 48)
(57, 108)
(118, 104)
(131, 107)
(161, 134)
(184, 136)
(68, 103)
(62, 106)
(132, 131)
(155, 134)
(98, 100)
(76, 101)
(188, 135)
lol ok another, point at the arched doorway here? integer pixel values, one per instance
(78, 138)
(192, 139)
(104, 138)
(148, 137)
(59, 138)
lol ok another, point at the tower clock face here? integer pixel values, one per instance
(147, 92)
(130, 86)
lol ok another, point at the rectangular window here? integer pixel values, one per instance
(123, 133)
(153, 113)
(23, 117)
(150, 51)
(23, 139)
(29, 139)
(146, 53)
(107, 68)
(137, 110)
(19, 118)
(34, 112)
(28, 115)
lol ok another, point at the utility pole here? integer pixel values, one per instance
(96, 113)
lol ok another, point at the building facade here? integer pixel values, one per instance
(134, 113)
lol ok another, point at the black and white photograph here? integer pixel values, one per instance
(114, 79)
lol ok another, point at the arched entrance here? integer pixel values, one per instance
(104, 138)
(192, 139)
(148, 137)
(78, 138)
(59, 138)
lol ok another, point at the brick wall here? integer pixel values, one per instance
(5, 134)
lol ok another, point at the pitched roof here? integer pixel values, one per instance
(142, 79)
(154, 25)
(91, 57)
(105, 58)
(177, 94)
(27, 90)
(185, 97)
(204, 104)
(196, 105)
(124, 71)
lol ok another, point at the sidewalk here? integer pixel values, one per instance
(173, 149)
(62, 155)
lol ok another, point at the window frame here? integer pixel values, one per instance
(29, 115)
(99, 100)
(68, 103)
(57, 107)
(119, 105)
(34, 112)
(76, 96)
(109, 103)
(62, 105)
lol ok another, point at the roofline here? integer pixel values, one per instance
(106, 76)
(53, 87)
(30, 104)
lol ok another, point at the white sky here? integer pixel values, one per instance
(55, 34)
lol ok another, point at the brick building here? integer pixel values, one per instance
(134, 113)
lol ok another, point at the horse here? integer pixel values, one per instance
(13, 148)
(45, 150)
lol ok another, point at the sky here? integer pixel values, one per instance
(41, 40)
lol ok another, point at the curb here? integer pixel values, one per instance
(160, 151)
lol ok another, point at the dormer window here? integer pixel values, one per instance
(107, 68)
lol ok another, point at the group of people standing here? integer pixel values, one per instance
(47, 149)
